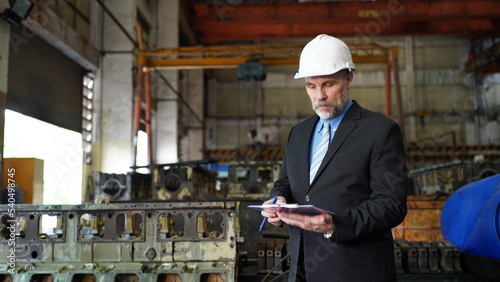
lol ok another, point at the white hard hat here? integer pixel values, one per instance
(324, 55)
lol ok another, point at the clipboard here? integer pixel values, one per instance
(309, 210)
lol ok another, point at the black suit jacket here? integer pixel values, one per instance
(363, 180)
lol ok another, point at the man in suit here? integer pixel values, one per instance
(359, 177)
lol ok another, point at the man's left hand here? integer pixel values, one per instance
(321, 223)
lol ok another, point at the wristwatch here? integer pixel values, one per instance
(330, 235)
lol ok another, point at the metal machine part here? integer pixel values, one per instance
(181, 182)
(111, 187)
(120, 187)
(414, 260)
(427, 257)
(252, 180)
(184, 182)
(183, 241)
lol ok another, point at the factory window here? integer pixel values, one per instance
(87, 116)
(142, 152)
(59, 148)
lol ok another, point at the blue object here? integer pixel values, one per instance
(265, 218)
(470, 218)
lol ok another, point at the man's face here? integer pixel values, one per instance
(329, 94)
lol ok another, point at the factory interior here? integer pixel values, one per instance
(136, 133)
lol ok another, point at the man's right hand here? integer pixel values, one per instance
(272, 217)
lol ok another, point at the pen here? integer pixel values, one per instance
(265, 218)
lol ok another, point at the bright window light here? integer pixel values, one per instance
(59, 148)
(142, 151)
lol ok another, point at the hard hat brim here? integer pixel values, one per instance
(316, 73)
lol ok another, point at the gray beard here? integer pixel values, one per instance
(335, 111)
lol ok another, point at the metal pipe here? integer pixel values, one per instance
(137, 111)
(147, 94)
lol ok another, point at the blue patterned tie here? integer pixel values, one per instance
(320, 151)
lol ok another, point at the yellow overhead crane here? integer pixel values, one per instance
(216, 57)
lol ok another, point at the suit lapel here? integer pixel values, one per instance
(347, 125)
(305, 147)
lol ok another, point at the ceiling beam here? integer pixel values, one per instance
(218, 23)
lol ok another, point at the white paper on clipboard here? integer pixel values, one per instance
(291, 208)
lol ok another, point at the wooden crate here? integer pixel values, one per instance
(422, 223)
(28, 176)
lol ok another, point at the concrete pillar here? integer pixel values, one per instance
(112, 151)
(192, 143)
(165, 121)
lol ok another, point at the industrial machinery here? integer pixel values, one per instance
(106, 187)
(184, 182)
(190, 181)
(182, 223)
(450, 176)
(114, 186)
(153, 241)
(251, 180)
